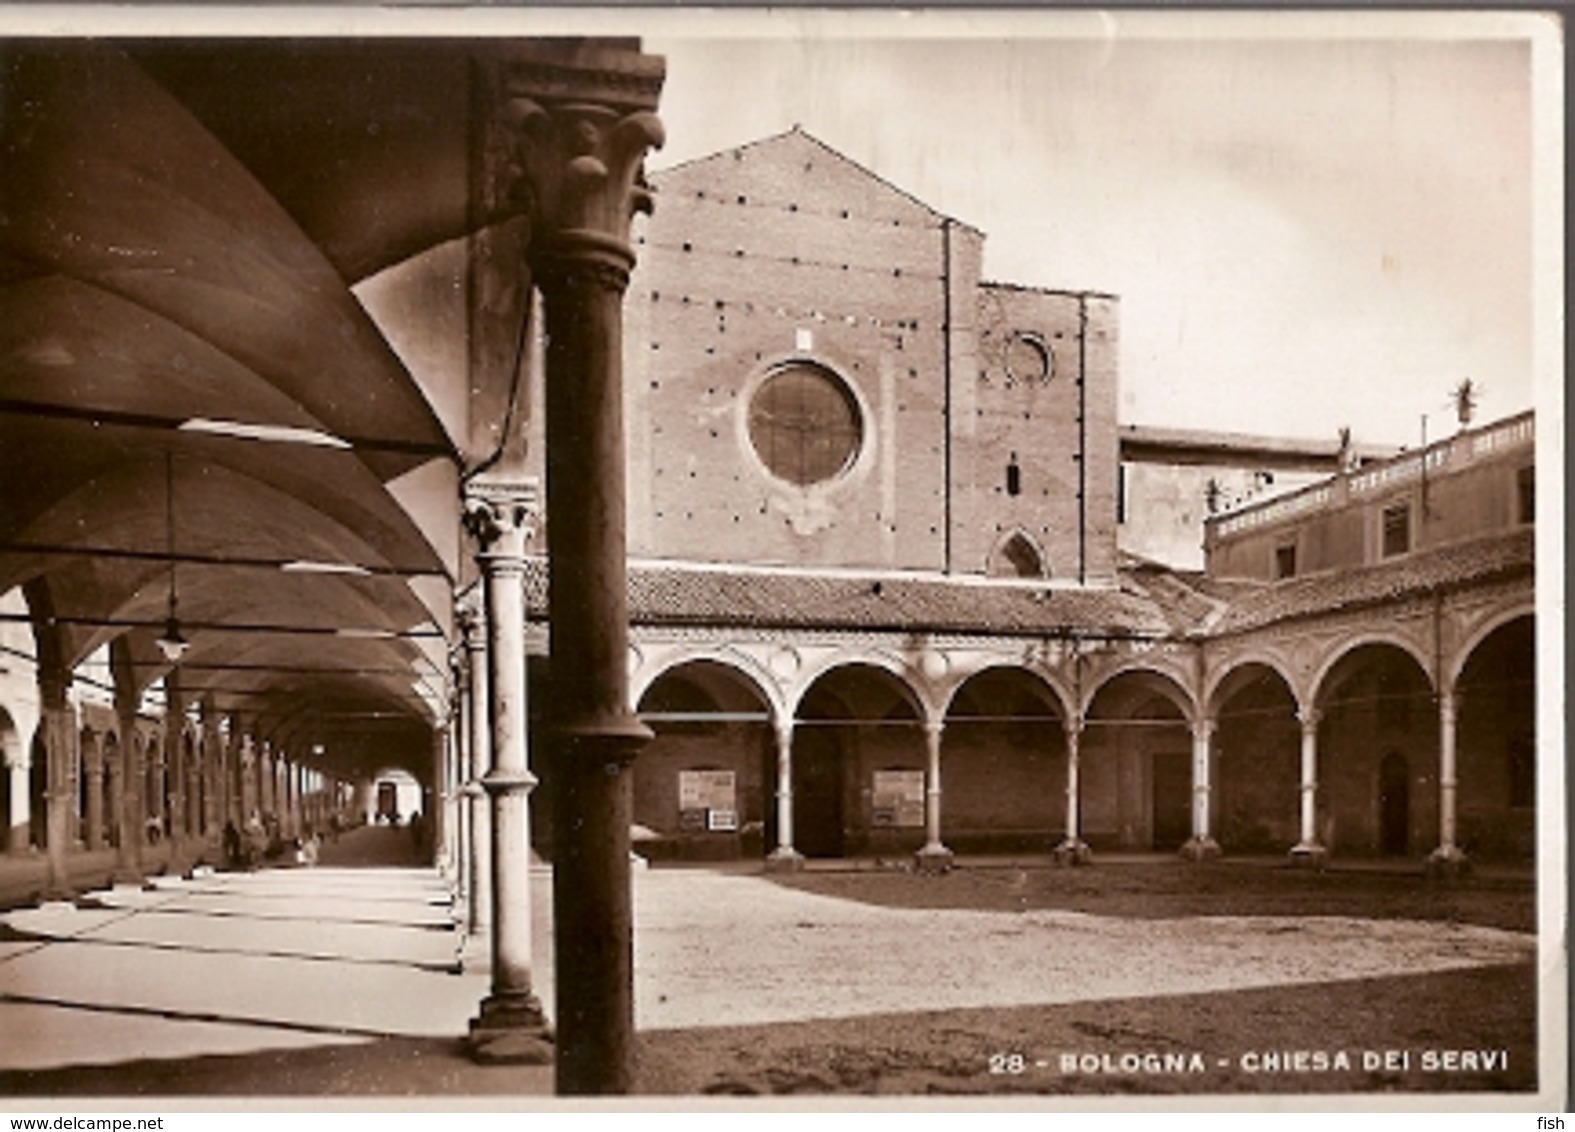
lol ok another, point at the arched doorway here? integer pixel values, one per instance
(858, 753)
(1394, 805)
(704, 787)
(1378, 722)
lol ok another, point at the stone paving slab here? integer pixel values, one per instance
(44, 1037)
(241, 933)
(291, 958)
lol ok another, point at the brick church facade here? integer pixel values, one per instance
(879, 607)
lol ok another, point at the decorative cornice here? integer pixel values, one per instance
(611, 73)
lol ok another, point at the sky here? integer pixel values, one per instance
(1309, 223)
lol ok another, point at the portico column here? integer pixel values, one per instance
(511, 1025)
(175, 769)
(265, 778)
(1073, 850)
(1448, 857)
(584, 161)
(934, 857)
(784, 858)
(213, 760)
(438, 819)
(478, 715)
(59, 736)
(580, 128)
(19, 770)
(130, 812)
(246, 767)
(93, 762)
(195, 751)
(1307, 849)
(1202, 844)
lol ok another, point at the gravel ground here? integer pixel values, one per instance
(718, 949)
(986, 980)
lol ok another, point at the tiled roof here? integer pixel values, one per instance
(1479, 560)
(1151, 601)
(671, 594)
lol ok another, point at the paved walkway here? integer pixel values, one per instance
(297, 959)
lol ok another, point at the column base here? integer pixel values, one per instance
(1201, 849)
(784, 861)
(1072, 851)
(510, 1030)
(1448, 863)
(127, 878)
(1309, 855)
(934, 859)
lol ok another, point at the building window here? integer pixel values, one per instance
(1526, 493)
(1028, 358)
(1285, 561)
(804, 424)
(1017, 558)
(1014, 477)
(1397, 529)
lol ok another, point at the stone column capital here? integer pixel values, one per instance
(1309, 718)
(501, 515)
(572, 132)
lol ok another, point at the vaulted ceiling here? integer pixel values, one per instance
(192, 397)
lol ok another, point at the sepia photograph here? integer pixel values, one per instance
(770, 559)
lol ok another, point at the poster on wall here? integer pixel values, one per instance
(897, 799)
(707, 800)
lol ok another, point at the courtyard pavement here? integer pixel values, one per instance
(294, 958)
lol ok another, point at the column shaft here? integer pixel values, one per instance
(479, 910)
(783, 855)
(1073, 850)
(511, 1024)
(59, 747)
(934, 857)
(1202, 843)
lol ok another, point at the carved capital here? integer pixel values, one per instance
(501, 515)
(471, 619)
(576, 126)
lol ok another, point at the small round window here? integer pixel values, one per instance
(1028, 358)
(804, 423)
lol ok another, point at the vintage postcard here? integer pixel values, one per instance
(775, 559)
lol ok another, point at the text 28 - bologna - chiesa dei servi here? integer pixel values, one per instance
(282, 326)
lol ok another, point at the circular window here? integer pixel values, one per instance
(1028, 358)
(804, 423)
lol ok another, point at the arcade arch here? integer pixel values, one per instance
(1003, 764)
(704, 785)
(1378, 754)
(1136, 778)
(858, 740)
(1257, 760)
(1496, 744)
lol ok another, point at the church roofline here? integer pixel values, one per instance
(796, 129)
